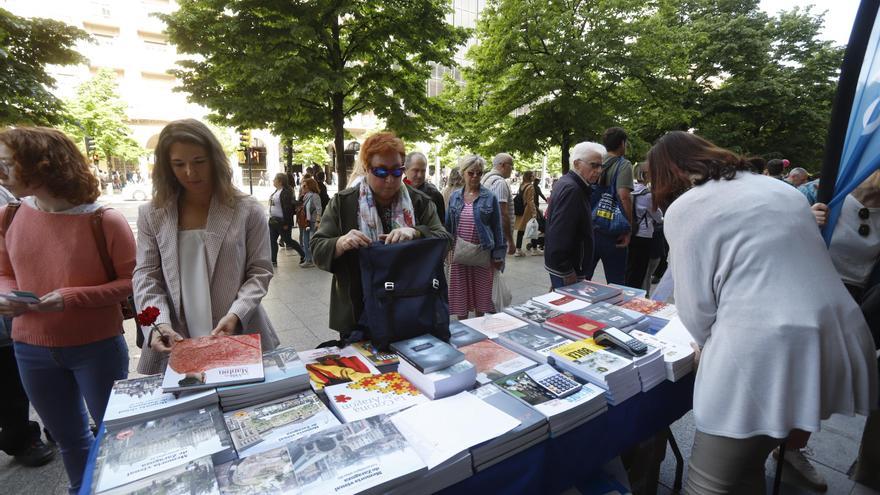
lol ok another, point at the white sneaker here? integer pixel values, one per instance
(519, 253)
(307, 264)
(796, 460)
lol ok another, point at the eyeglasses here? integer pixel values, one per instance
(382, 172)
(864, 229)
(474, 173)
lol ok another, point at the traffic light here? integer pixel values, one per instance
(244, 139)
(90, 146)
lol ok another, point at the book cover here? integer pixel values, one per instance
(427, 353)
(649, 307)
(630, 292)
(589, 291)
(332, 366)
(494, 361)
(280, 364)
(528, 416)
(342, 460)
(673, 352)
(462, 335)
(193, 478)
(537, 341)
(575, 325)
(151, 447)
(610, 315)
(371, 396)
(590, 357)
(213, 361)
(532, 312)
(138, 397)
(560, 302)
(493, 325)
(377, 358)
(268, 426)
(521, 386)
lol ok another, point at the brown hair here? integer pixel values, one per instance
(310, 184)
(165, 184)
(527, 179)
(47, 157)
(680, 160)
(283, 179)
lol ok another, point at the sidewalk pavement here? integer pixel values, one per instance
(298, 305)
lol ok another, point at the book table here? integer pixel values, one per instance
(559, 463)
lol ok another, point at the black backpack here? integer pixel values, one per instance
(405, 292)
(519, 203)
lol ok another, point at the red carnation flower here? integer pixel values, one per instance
(148, 316)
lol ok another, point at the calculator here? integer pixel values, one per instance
(610, 336)
(553, 382)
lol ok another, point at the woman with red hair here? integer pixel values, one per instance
(377, 206)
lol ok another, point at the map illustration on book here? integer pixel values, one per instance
(332, 366)
(341, 460)
(208, 362)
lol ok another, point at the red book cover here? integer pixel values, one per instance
(576, 324)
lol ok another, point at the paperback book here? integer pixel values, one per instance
(630, 292)
(149, 448)
(533, 427)
(678, 358)
(284, 373)
(532, 312)
(371, 396)
(584, 359)
(383, 361)
(591, 292)
(574, 325)
(214, 361)
(194, 477)
(427, 353)
(140, 399)
(332, 366)
(268, 426)
(462, 335)
(560, 302)
(442, 383)
(493, 325)
(659, 313)
(366, 456)
(613, 316)
(493, 361)
(532, 341)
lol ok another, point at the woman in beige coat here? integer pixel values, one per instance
(527, 191)
(203, 253)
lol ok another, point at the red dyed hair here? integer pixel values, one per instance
(381, 142)
(47, 157)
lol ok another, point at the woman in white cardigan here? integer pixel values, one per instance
(203, 252)
(783, 344)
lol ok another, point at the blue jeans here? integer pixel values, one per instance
(57, 379)
(557, 282)
(613, 259)
(305, 235)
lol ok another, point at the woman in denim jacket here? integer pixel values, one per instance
(474, 216)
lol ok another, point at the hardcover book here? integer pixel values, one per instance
(268, 426)
(149, 448)
(574, 325)
(532, 341)
(369, 456)
(590, 291)
(610, 315)
(462, 335)
(427, 353)
(213, 361)
(332, 366)
(139, 399)
(532, 312)
(371, 396)
(494, 361)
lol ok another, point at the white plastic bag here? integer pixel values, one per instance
(531, 230)
(501, 295)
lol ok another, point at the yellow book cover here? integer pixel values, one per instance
(574, 351)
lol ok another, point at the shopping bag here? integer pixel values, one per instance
(501, 295)
(531, 230)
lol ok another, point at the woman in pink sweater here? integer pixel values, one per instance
(69, 345)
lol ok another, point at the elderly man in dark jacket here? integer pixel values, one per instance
(568, 240)
(416, 165)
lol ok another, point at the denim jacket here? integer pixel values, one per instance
(487, 218)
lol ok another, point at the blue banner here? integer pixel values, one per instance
(861, 149)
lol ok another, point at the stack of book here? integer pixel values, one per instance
(434, 367)
(214, 361)
(196, 476)
(630, 292)
(650, 365)
(284, 374)
(332, 366)
(461, 335)
(372, 396)
(592, 292)
(678, 358)
(493, 361)
(532, 312)
(562, 414)
(617, 376)
(532, 341)
(383, 361)
(615, 316)
(456, 469)
(574, 325)
(560, 302)
(273, 424)
(138, 400)
(154, 447)
(493, 325)
(658, 313)
(367, 456)
(533, 428)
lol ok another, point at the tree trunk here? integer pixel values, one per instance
(566, 137)
(339, 139)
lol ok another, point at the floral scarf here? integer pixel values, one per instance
(368, 215)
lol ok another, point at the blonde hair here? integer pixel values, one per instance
(165, 184)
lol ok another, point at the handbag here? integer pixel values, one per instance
(301, 220)
(405, 292)
(608, 218)
(470, 254)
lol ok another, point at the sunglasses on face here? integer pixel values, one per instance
(864, 229)
(382, 172)
(474, 173)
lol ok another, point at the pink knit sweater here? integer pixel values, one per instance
(45, 252)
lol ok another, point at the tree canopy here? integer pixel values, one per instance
(301, 68)
(27, 46)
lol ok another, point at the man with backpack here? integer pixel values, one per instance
(496, 181)
(617, 179)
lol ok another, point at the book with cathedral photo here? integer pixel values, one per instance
(137, 400)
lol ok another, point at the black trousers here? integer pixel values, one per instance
(16, 430)
(637, 261)
(276, 231)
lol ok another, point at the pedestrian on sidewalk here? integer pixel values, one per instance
(281, 216)
(529, 210)
(311, 209)
(69, 345)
